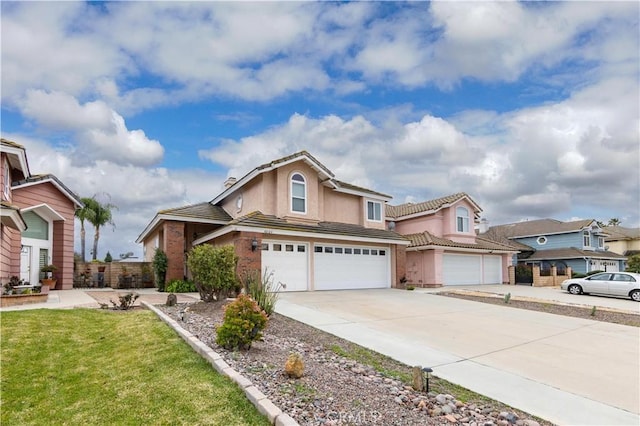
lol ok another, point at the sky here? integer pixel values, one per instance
(532, 109)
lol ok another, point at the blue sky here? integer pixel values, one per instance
(530, 108)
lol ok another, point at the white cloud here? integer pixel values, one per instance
(100, 132)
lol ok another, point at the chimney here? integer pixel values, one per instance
(483, 226)
(230, 181)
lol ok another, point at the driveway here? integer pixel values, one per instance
(565, 370)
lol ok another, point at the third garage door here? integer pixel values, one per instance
(339, 267)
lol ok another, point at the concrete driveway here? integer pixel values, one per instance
(565, 370)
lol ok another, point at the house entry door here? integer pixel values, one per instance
(25, 263)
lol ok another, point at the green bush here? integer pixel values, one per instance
(243, 322)
(577, 275)
(593, 272)
(160, 265)
(263, 290)
(180, 286)
(213, 270)
(633, 264)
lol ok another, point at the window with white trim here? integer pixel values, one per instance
(600, 242)
(298, 193)
(374, 211)
(586, 238)
(7, 181)
(462, 219)
(542, 240)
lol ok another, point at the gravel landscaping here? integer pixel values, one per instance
(343, 384)
(599, 314)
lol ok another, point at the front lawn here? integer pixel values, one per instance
(87, 366)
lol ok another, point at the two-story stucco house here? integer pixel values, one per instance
(577, 244)
(444, 248)
(295, 218)
(38, 214)
(622, 240)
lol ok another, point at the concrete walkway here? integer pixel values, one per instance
(569, 371)
(90, 298)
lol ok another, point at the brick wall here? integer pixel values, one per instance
(248, 260)
(400, 255)
(174, 246)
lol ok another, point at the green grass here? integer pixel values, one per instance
(97, 367)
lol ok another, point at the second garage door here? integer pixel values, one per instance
(340, 267)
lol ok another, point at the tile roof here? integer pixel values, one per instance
(425, 239)
(291, 157)
(258, 220)
(494, 235)
(621, 233)
(11, 143)
(199, 211)
(394, 212)
(572, 253)
(538, 227)
(346, 185)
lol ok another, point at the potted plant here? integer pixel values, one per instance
(48, 281)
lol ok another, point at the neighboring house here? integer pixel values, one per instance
(548, 242)
(621, 240)
(444, 248)
(294, 218)
(37, 221)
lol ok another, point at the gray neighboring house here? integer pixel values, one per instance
(549, 242)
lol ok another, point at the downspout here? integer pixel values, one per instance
(586, 262)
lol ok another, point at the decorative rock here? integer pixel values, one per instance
(172, 299)
(531, 423)
(441, 399)
(447, 409)
(436, 412)
(398, 400)
(418, 383)
(451, 418)
(294, 367)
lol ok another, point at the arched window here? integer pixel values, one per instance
(462, 219)
(298, 193)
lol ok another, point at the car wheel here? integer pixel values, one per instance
(635, 295)
(575, 289)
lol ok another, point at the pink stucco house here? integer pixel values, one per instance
(37, 221)
(444, 248)
(295, 218)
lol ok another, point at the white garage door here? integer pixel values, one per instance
(461, 269)
(492, 270)
(289, 262)
(339, 267)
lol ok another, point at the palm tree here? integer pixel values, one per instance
(85, 213)
(614, 222)
(102, 216)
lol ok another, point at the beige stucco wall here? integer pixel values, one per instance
(432, 223)
(622, 246)
(449, 224)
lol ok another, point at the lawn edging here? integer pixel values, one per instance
(275, 415)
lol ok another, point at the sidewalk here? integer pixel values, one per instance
(91, 298)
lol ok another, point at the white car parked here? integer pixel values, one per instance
(625, 284)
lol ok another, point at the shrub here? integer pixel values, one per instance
(507, 298)
(213, 270)
(597, 271)
(180, 286)
(263, 290)
(633, 264)
(125, 301)
(577, 275)
(160, 265)
(243, 322)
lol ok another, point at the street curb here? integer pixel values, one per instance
(275, 415)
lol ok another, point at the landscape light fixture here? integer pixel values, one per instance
(426, 372)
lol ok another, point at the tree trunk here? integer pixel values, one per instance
(82, 244)
(96, 237)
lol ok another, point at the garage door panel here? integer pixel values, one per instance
(289, 263)
(344, 267)
(491, 270)
(462, 269)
